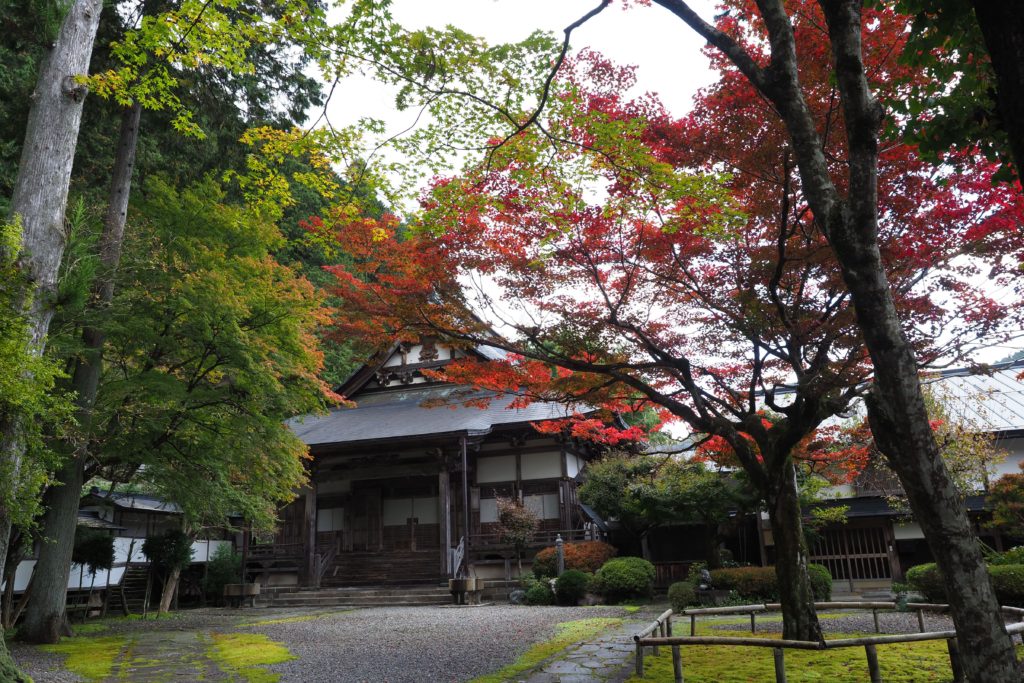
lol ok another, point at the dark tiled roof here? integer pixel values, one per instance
(399, 413)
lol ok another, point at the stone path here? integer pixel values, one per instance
(606, 659)
(166, 657)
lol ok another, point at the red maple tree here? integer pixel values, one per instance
(632, 259)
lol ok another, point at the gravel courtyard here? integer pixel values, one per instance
(383, 645)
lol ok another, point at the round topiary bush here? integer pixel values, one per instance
(821, 582)
(571, 586)
(926, 580)
(755, 583)
(681, 595)
(539, 594)
(1008, 582)
(625, 577)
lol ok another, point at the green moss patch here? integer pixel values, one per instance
(90, 658)
(246, 654)
(567, 634)
(900, 663)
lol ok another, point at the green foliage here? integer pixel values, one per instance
(1006, 497)
(210, 348)
(223, 568)
(1014, 555)
(29, 400)
(168, 551)
(571, 586)
(625, 577)
(926, 580)
(538, 593)
(586, 556)
(1008, 583)
(762, 583)
(821, 582)
(681, 595)
(642, 492)
(755, 583)
(94, 549)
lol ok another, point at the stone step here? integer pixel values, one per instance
(369, 601)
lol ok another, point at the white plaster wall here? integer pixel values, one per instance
(573, 464)
(1015, 453)
(541, 465)
(496, 468)
(544, 506)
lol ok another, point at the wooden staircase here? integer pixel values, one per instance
(134, 581)
(386, 568)
(364, 596)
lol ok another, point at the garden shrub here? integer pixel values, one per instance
(1011, 556)
(681, 595)
(759, 583)
(926, 580)
(223, 568)
(539, 594)
(1008, 582)
(821, 582)
(625, 577)
(571, 586)
(587, 556)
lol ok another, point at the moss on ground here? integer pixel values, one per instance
(567, 633)
(899, 663)
(296, 619)
(91, 658)
(246, 654)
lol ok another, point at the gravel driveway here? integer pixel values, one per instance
(383, 645)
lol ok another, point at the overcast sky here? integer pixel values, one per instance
(666, 51)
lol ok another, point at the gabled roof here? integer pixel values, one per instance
(400, 414)
(993, 402)
(363, 374)
(135, 501)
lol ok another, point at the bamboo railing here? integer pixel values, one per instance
(659, 634)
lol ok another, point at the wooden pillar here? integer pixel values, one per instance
(309, 535)
(444, 518)
(465, 496)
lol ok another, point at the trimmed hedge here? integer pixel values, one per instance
(571, 586)
(681, 595)
(587, 556)
(821, 582)
(625, 577)
(539, 594)
(1007, 580)
(761, 583)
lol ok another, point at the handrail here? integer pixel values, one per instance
(457, 555)
(663, 627)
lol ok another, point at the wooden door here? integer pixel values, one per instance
(854, 552)
(365, 520)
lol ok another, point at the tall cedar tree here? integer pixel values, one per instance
(642, 282)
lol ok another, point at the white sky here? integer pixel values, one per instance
(666, 51)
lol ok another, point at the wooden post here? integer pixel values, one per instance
(444, 504)
(1022, 632)
(780, 664)
(668, 626)
(677, 665)
(693, 624)
(465, 499)
(309, 535)
(874, 613)
(753, 622)
(873, 670)
(920, 619)
(639, 659)
(955, 662)
(655, 650)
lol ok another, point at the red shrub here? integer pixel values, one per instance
(587, 556)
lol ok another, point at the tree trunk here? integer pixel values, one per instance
(799, 618)
(62, 498)
(39, 199)
(712, 554)
(170, 586)
(1002, 25)
(8, 671)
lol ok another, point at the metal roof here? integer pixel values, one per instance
(135, 501)
(992, 403)
(400, 413)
